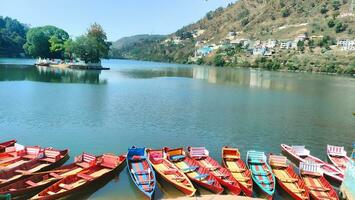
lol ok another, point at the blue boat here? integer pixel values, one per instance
(261, 173)
(141, 171)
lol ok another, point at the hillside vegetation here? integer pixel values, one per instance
(261, 20)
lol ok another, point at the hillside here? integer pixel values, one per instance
(129, 41)
(322, 22)
(12, 37)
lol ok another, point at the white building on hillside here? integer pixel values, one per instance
(346, 45)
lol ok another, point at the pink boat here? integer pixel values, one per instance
(301, 154)
(337, 156)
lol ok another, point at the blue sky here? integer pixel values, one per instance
(118, 17)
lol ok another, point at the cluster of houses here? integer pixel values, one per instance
(254, 47)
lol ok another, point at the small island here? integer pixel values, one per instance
(54, 48)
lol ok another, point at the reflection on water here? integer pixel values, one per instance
(47, 74)
(251, 78)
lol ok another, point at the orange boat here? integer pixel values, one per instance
(6, 144)
(28, 187)
(169, 172)
(102, 169)
(319, 187)
(51, 159)
(287, 178)
(231, 160)
(223, 175)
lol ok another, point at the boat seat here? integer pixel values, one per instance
(85, 176)
(319, 189)
(256, 162)
(51, 193)
(238, 170)
(177, 157)
(266, 182)
(83, 164)
(212, 168)
(170, 171)
(55, 175)
(210, 182)
(31, 183)
(30, 156)
(147, 182)
(189, 169)
(201, 176)
(261, 173)
(231, 157)
(179, 178)
(141, 172)
(137, 158)
(12, 189)
(108, 165)
(8, 160)
(47, 159)
(65, 186)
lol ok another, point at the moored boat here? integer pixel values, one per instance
(100, 169)
(141, 172)
(191, 168)
(169, 172)
(29, 186)
(19, 155)
(288, 178)
(337, 156)
(50, 159)
(319, 187)
(300, 154)
(223, 176)
(261, 173)
(6, 144)
(232, 161)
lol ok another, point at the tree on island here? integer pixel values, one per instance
(89, 47)
(46, 42)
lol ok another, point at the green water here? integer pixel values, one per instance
(156, 105)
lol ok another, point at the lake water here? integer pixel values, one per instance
(156, 104)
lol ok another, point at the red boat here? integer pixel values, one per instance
(191, 168)
(103, 169)
(51, 158)
(231, 160)
(337, 156)
(287, 178)
(6, 144)
(19, 156)
(300, 154)
(224, 177)
(319, 187)
(27, 187)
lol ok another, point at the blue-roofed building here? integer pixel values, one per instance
(204, 51)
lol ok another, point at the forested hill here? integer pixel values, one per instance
(254, 20)
(12, 37)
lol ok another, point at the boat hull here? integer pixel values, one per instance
(245, 186)
(335, 179)
(58, 163)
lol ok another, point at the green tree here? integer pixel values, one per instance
(90, 47)
(12, 37)
(340, 27)
(331, 23)
(336, 4)
(46, 41)
(285, 12)
(219, 60)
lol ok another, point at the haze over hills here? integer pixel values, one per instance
(255, 20)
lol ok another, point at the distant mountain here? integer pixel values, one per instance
(120, 48)
(129, 41)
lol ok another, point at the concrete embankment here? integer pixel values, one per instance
(215, 197)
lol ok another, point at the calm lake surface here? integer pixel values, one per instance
(156, 104)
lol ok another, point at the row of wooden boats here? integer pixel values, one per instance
(35, 172)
